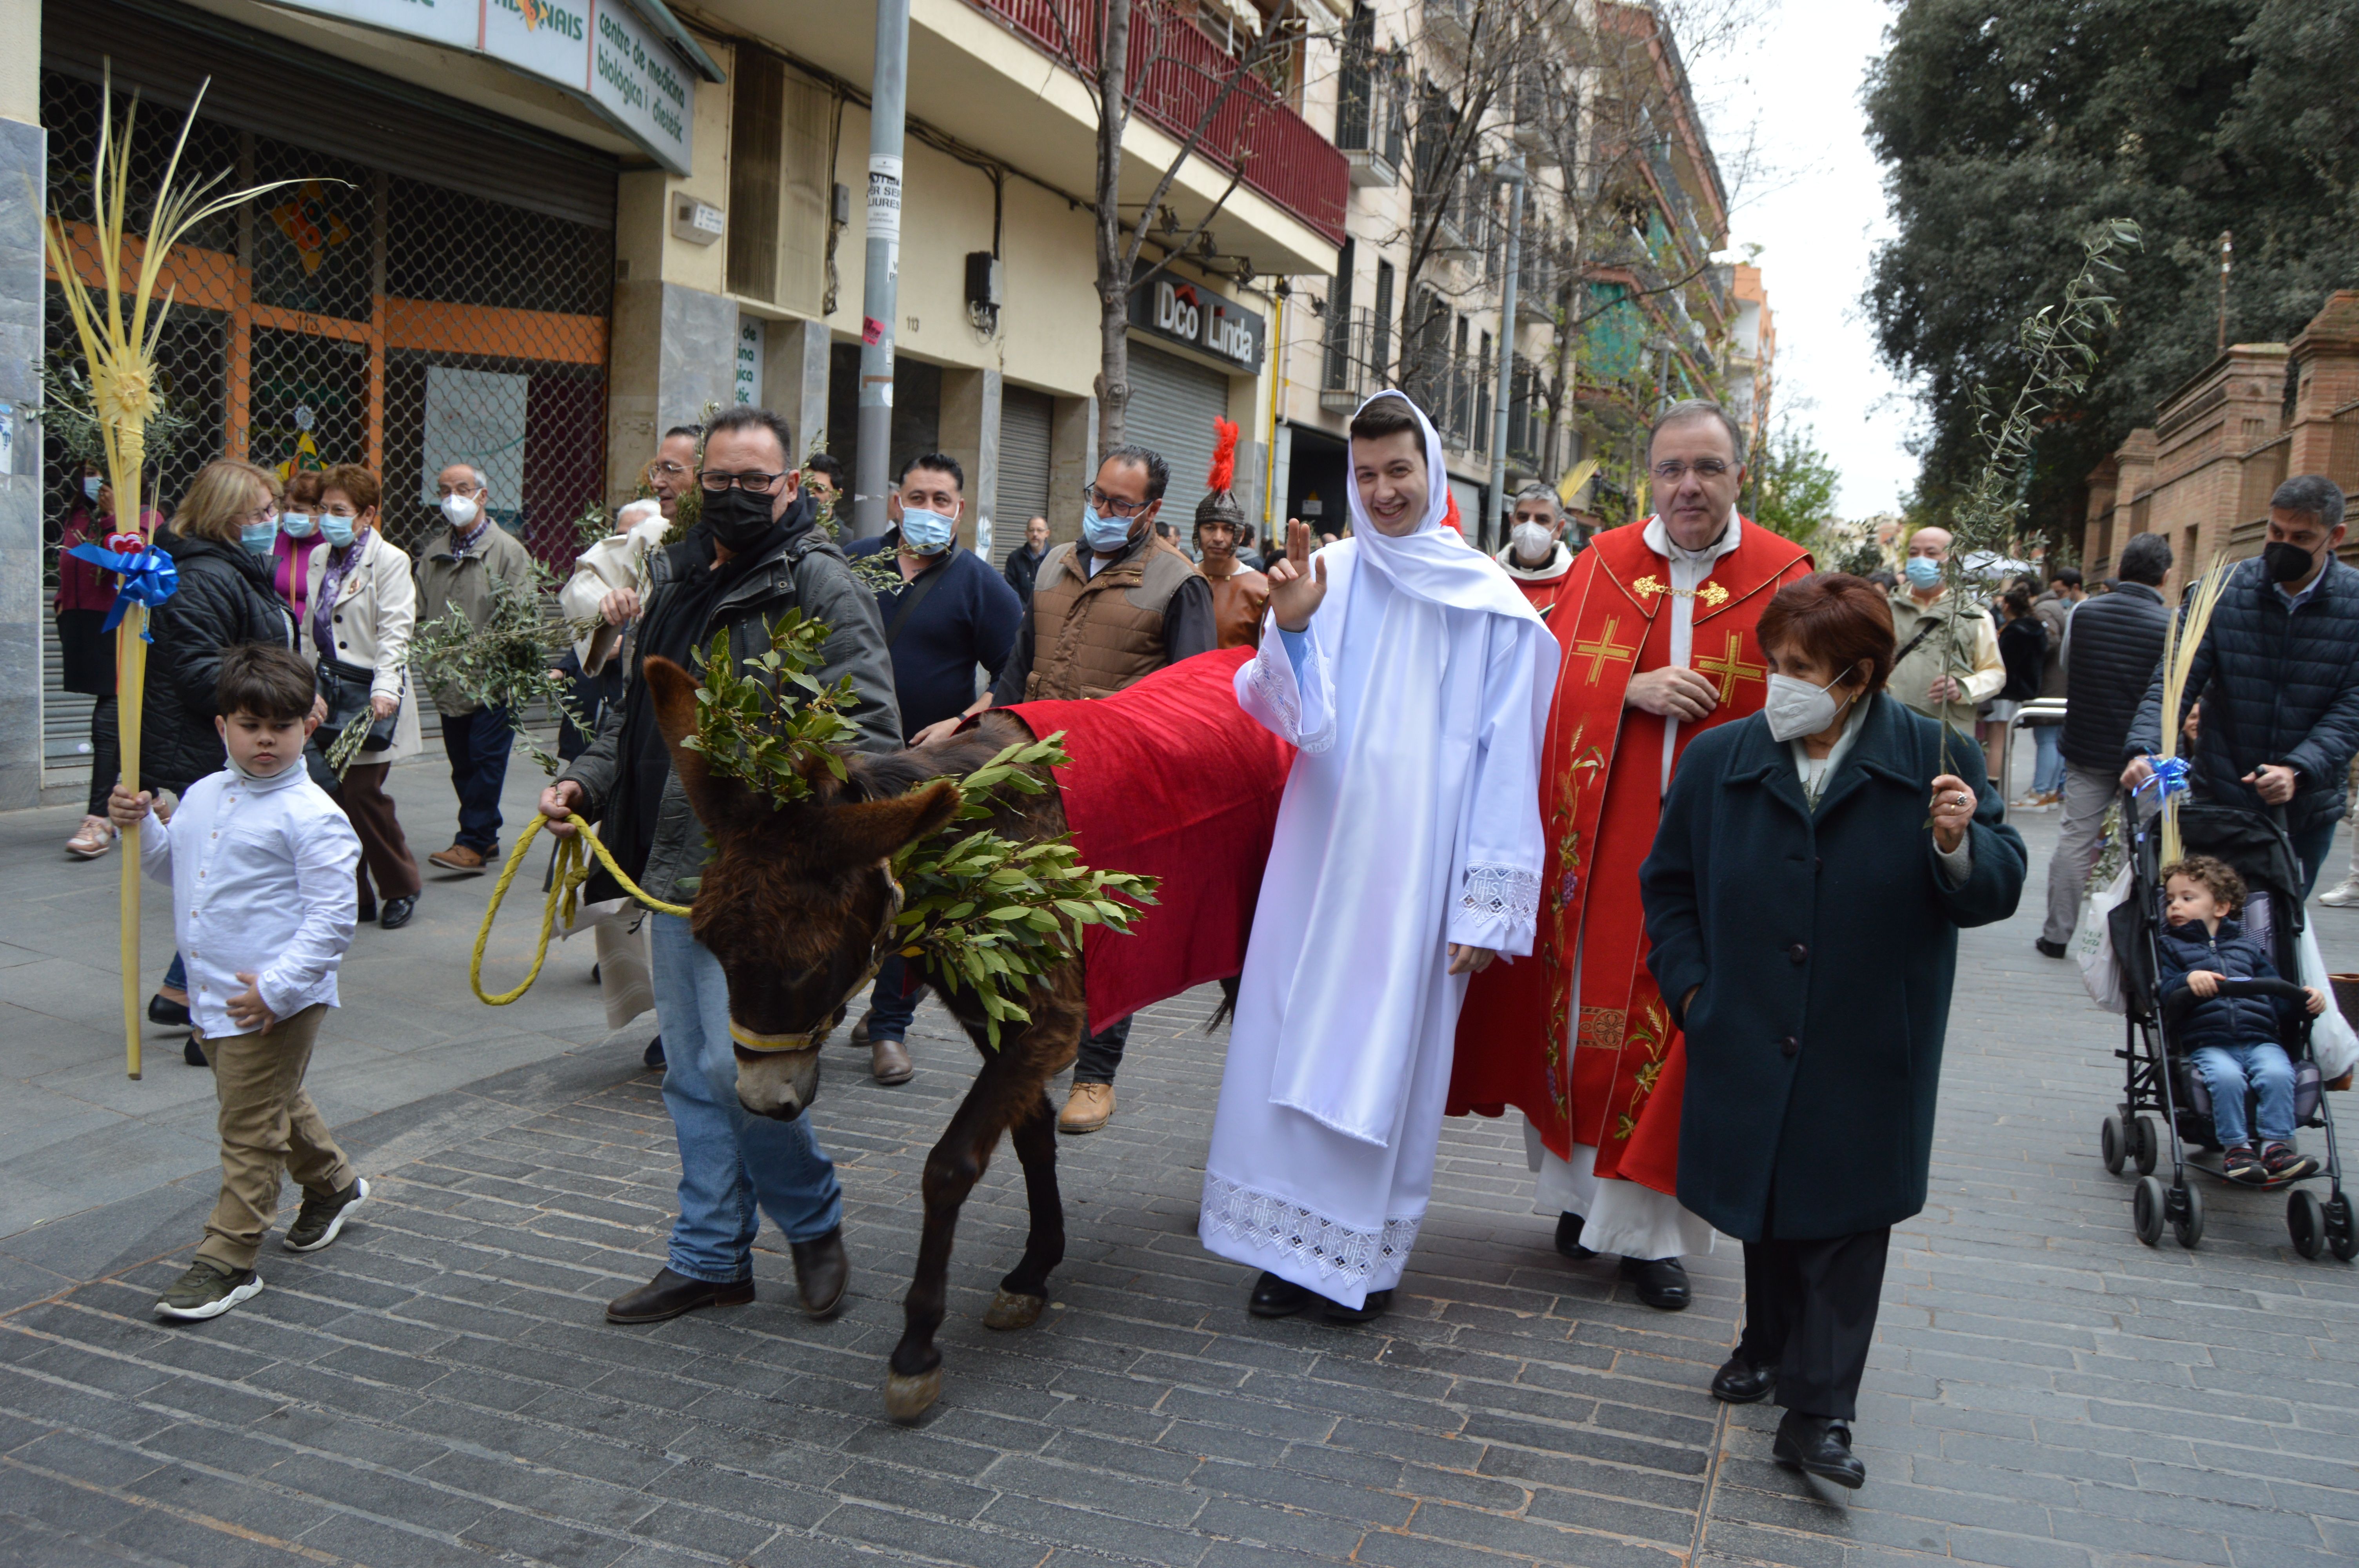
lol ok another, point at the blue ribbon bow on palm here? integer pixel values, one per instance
(2169, 777)
(149, 578)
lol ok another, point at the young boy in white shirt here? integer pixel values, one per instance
(263, 900)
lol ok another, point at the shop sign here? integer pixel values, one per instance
(598, 50)
(1190, 315)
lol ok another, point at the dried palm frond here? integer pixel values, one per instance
(2179, 641)
(119, 337)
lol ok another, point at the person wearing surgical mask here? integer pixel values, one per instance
(1106, 612)
(1803, 897)
(1949, 661)
(951, 616)
(457, 569)
(298, 541)
(1536, 555)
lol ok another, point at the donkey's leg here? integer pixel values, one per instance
(953, 1168)
(1025, 1292)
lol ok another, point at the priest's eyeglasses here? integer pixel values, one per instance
(716, 482)
(1674, 470)
(1112, 505)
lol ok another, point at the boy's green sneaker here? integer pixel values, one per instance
(319, 1218)
(206, 1290)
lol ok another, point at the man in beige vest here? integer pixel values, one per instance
(1112, 610)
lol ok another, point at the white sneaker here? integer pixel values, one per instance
(2344, 894)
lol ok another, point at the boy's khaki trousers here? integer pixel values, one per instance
(267, 1122)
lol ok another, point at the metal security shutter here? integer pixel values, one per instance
(65, 714)
(1172, 406)
(1024, 419)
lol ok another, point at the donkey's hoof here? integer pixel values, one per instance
(907, 1398)
(1009, 1310)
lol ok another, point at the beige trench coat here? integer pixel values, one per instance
(375, 611)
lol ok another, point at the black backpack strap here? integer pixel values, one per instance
(913, 595)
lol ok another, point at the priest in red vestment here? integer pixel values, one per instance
(1656, 620)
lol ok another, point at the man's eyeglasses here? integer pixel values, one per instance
(1674, 470)
(669, 469)
(716, 483)
(1111, 505)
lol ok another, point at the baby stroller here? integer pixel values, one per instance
(2160, 1077)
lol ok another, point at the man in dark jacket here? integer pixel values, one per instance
(1024, 561)
(758, 558)
(1104, 613)
(2114, 647)
(950, 614)
(2277, 673)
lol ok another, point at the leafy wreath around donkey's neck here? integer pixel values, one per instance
(980, 910)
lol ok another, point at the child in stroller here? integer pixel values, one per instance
(2232, 1041)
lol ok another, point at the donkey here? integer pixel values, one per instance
(797, 904)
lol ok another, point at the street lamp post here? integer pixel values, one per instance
(1512, 177)
(872, 473)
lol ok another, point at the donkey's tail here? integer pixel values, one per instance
(1228, 1008)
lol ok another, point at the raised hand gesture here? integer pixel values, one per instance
(1297, 583)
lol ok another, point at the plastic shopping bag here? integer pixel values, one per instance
(2332, 1044)
(2093, 944)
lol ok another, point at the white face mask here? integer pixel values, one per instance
(1796, 707)
(461, 511)
(1534, 542)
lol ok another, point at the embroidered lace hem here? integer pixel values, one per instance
(1503, 892)
(1265, 1220)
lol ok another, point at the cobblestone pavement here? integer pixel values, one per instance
(438, 1386)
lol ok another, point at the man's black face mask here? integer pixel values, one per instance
(2285, 562)
(739, 518)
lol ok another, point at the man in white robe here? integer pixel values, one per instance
(1414, 678)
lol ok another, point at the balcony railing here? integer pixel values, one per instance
(1281, 156)
(1350, 373)
(1454, 390)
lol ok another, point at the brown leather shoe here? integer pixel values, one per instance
(822, 1272)
(889, 1061)
(670, 1293)
(458, 858)
(1087, 1108)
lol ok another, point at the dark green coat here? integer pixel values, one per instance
(1825, 948)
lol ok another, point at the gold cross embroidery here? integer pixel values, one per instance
(1711, 593)
(1731, 668)
(1603, 648)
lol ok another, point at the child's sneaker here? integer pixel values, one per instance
(2283, 1164)
(319, 1218)
(2239, 1164)
(206, 1290)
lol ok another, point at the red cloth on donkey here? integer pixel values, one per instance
(1170, 779)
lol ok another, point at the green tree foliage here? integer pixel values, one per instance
(2009, 127)
(1793, 483)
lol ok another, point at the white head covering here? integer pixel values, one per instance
(1433, 563)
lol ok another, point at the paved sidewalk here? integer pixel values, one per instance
(438, 1386)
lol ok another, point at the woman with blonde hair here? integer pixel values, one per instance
(221, 541)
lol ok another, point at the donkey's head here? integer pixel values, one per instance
(798, 902)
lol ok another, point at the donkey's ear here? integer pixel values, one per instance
(722, 805)
(856, 835)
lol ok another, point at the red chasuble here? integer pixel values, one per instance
(1601, 797)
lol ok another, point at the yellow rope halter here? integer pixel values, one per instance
(571, 869)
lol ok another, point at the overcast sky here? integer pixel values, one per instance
(1816, 211)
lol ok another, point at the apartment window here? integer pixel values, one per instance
(1355, 87)
(1380, 354)
(1339, 321)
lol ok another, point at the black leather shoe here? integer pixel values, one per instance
(1378, 1304)
(193, 1053)
(169, 1013)
(1819, 1445)
(859, 1035)
(652, 1058)
(822, 1272)
(1662, 1283)
(1568, 1238)
(2047, 950)
(670, 1293)
(397, 912)
(1274, 1297)
(1740, 1382)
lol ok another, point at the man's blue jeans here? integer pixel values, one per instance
(893, 1011)
(729, 1159)
(478, 744)
(2312, 845)
(2048, 772)
(2227, 1070)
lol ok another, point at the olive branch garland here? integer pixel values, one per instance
(980, 910)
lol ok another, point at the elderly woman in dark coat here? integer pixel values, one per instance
(1803, 899)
